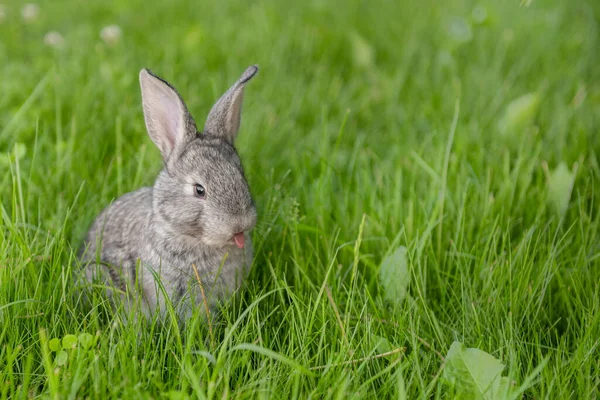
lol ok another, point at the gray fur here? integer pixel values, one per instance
(224, 117)
(166, 228)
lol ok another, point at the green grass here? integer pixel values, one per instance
(348, 142)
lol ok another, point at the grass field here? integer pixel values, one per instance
(466, 133)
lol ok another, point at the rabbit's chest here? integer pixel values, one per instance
(216, 272)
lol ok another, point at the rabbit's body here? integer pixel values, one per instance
(185, 236)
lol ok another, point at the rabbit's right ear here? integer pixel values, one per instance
(224, 117)
(168, 121)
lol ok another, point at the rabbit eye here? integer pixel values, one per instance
(199, 191)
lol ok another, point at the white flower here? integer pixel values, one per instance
(479, 14)
(460, 30)
(508, 35)
(54, 39)
(30, 12)
(111, 34)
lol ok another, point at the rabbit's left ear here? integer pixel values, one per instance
(168, 121)
(224, 117)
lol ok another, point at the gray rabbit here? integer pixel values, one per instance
(188, 236)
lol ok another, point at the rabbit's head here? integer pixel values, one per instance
(202, 193)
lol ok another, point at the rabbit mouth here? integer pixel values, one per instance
(239, 240)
